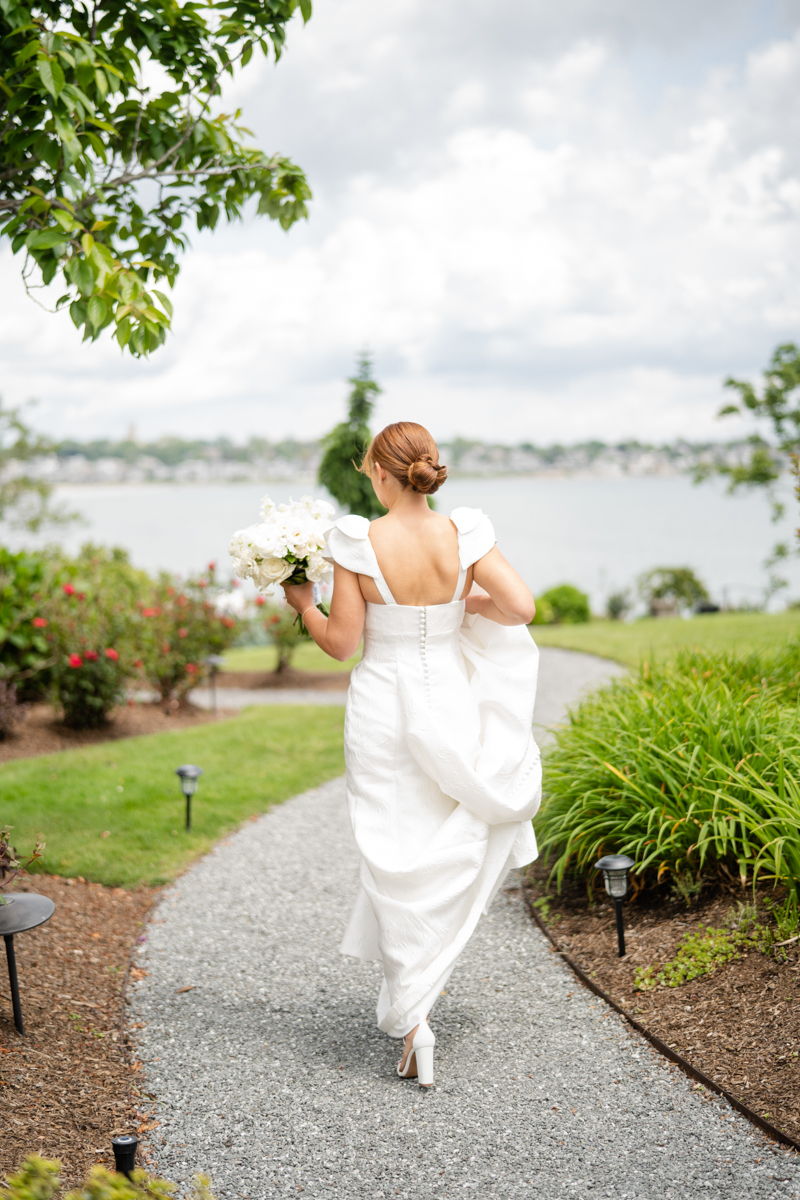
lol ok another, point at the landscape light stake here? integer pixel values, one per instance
(615, 868)
(125, 1153)
(215, 662)
(189, 776)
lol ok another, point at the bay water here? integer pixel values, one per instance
(598, 533)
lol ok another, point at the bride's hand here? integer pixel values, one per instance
(299, 596)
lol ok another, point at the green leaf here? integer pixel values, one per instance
(51, 76)
(97, 311)
(82, 276)
(164, 300)
(47, 239)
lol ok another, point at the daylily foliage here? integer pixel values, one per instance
(99, 172)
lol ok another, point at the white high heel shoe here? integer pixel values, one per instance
(422, 1051)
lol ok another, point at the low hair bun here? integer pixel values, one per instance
(409, 453)
(425, 475)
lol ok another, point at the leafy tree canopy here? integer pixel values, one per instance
(25, 498)
(100, 170)
(777, 407)
(346, 444)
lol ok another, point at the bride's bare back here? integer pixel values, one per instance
(416, 550)
(417, 553)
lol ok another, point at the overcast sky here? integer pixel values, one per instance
(547, 222)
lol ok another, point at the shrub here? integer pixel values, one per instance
(89, 686)
(11, 711)
(91, 619)
(39, 1179)
(569, 605)
(25, 653)
(544, 614)
(618, 606)
(679, 585)
(687, 767)
(284, 633)
(178, 628)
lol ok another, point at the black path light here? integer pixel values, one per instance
(616, 868)
(189, 776)
(216, 662)
(124, 1148)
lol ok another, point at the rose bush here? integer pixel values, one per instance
(179, 626)
(91, 626)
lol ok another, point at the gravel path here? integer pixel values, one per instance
(271, 1076)
(564, 676)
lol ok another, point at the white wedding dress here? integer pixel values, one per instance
(443, 773)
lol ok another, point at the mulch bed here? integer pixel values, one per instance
(68, 1085)
(41, 732)
(740, 1025)
(323, 681)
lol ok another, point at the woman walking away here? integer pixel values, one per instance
(443, 774)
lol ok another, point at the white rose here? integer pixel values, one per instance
(271, 570)
(267, 508)
(317, 569)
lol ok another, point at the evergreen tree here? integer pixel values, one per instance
(345, 445)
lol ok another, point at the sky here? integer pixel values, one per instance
(546, 223)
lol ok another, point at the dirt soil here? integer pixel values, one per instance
(40, 731)
(324, 681)
(740, 1025)
(68, 1085)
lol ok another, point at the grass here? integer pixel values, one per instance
(307, 657)
(128, 790)
(737, 633)
(688, 767)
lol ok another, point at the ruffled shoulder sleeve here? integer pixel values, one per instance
(475, 534)
(348, 545)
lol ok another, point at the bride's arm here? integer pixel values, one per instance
(508, 600)
(339, 635)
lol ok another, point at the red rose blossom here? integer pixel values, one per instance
(260, 600)
(212, 566)
(75, 660)
(138, 663)
(182, 633)
(68, 589)
(91, 656)
(191, 669)
(112, 654)
(39, 622)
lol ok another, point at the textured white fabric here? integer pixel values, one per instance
(443, 775)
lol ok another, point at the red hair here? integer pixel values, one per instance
(409, 453)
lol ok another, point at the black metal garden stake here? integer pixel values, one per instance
(189, 776)
(215, 662)
(615, 868)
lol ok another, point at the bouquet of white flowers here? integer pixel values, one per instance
(285, 547)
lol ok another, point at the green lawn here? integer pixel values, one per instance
(307, 657)
(739, 633)
(128, 789)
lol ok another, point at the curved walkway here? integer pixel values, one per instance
(270, 1075)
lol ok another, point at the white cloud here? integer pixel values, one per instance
(534, 245)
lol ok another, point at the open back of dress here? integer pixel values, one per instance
(443, 773)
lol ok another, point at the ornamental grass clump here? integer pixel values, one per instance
(692, 768)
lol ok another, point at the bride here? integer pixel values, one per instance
(443, 774)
